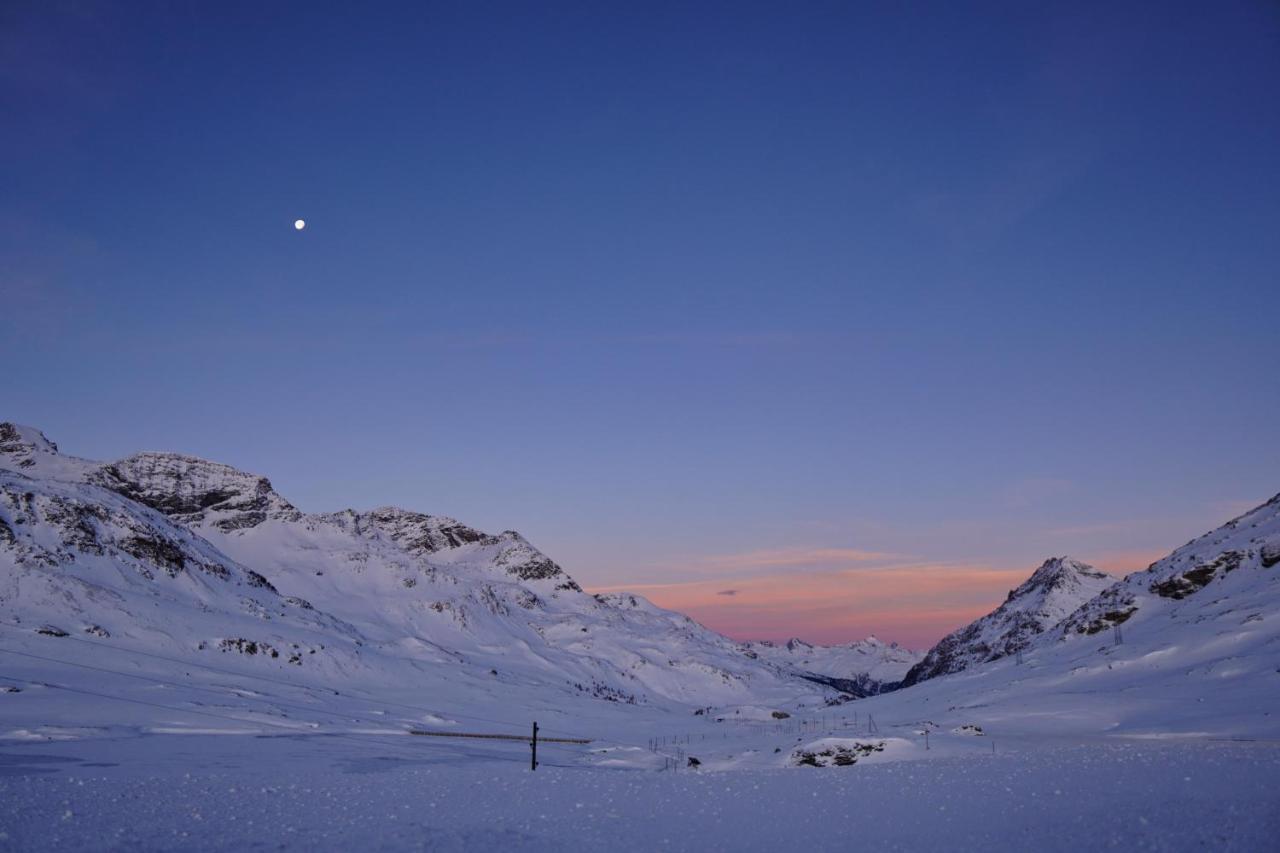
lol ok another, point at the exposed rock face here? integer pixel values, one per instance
(835, 752)
(1052, 592)
(22, 444)
(49, 525)
(1270, 554)
(419, 533)
(1205, 574)
(199, 493)
(522, 560)
(194, 490)
(1191, 581)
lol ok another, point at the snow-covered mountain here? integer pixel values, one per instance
(1053, 591)
(201, 575)
(1229, 576)
(864, 668)
(166, 550)
(1226, 578)
(78, 559)
(1197, 654)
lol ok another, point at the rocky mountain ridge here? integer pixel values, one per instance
(1229, 569)
(210, 557)
(1054, 590)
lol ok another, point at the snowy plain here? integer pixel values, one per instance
(314, 793)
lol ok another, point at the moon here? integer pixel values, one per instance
(299, 224)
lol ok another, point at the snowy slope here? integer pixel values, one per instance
(407, 578)
(79, 560)
(1052, 592)
(203, 581)
(165, 550)
(1226, 575)
(163, 595)
(296, 794)
(1197, 654)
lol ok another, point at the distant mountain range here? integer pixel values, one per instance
(864, 668)
(191, 561)
(162, 550)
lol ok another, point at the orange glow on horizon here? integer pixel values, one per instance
(914, 605)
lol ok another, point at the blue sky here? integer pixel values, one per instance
(666, 288)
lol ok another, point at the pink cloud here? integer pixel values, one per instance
(1125, 561)
(912, 604)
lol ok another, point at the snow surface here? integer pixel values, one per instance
(240, 793)
(189, 662)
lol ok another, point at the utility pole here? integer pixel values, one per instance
(533, 745)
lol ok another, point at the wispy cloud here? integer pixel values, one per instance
(1232, 509)
(366, 328)
(800, 557)
(1093, 529)
(727, 592)
(710, 337)
(982, 206)
(1035, 490)
(1123, 562)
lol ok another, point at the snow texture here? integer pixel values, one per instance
(190, 662)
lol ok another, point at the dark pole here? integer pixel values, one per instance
(533, 744)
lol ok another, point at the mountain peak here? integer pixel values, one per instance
(22, 442)
(1058, 567)
(1050, 595)
(1056, 578)
(420, 533)
(195, 490)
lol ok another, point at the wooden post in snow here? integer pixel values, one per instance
(533, 746)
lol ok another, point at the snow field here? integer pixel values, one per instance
(308, 793)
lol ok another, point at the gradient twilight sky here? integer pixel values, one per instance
(809, 319)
